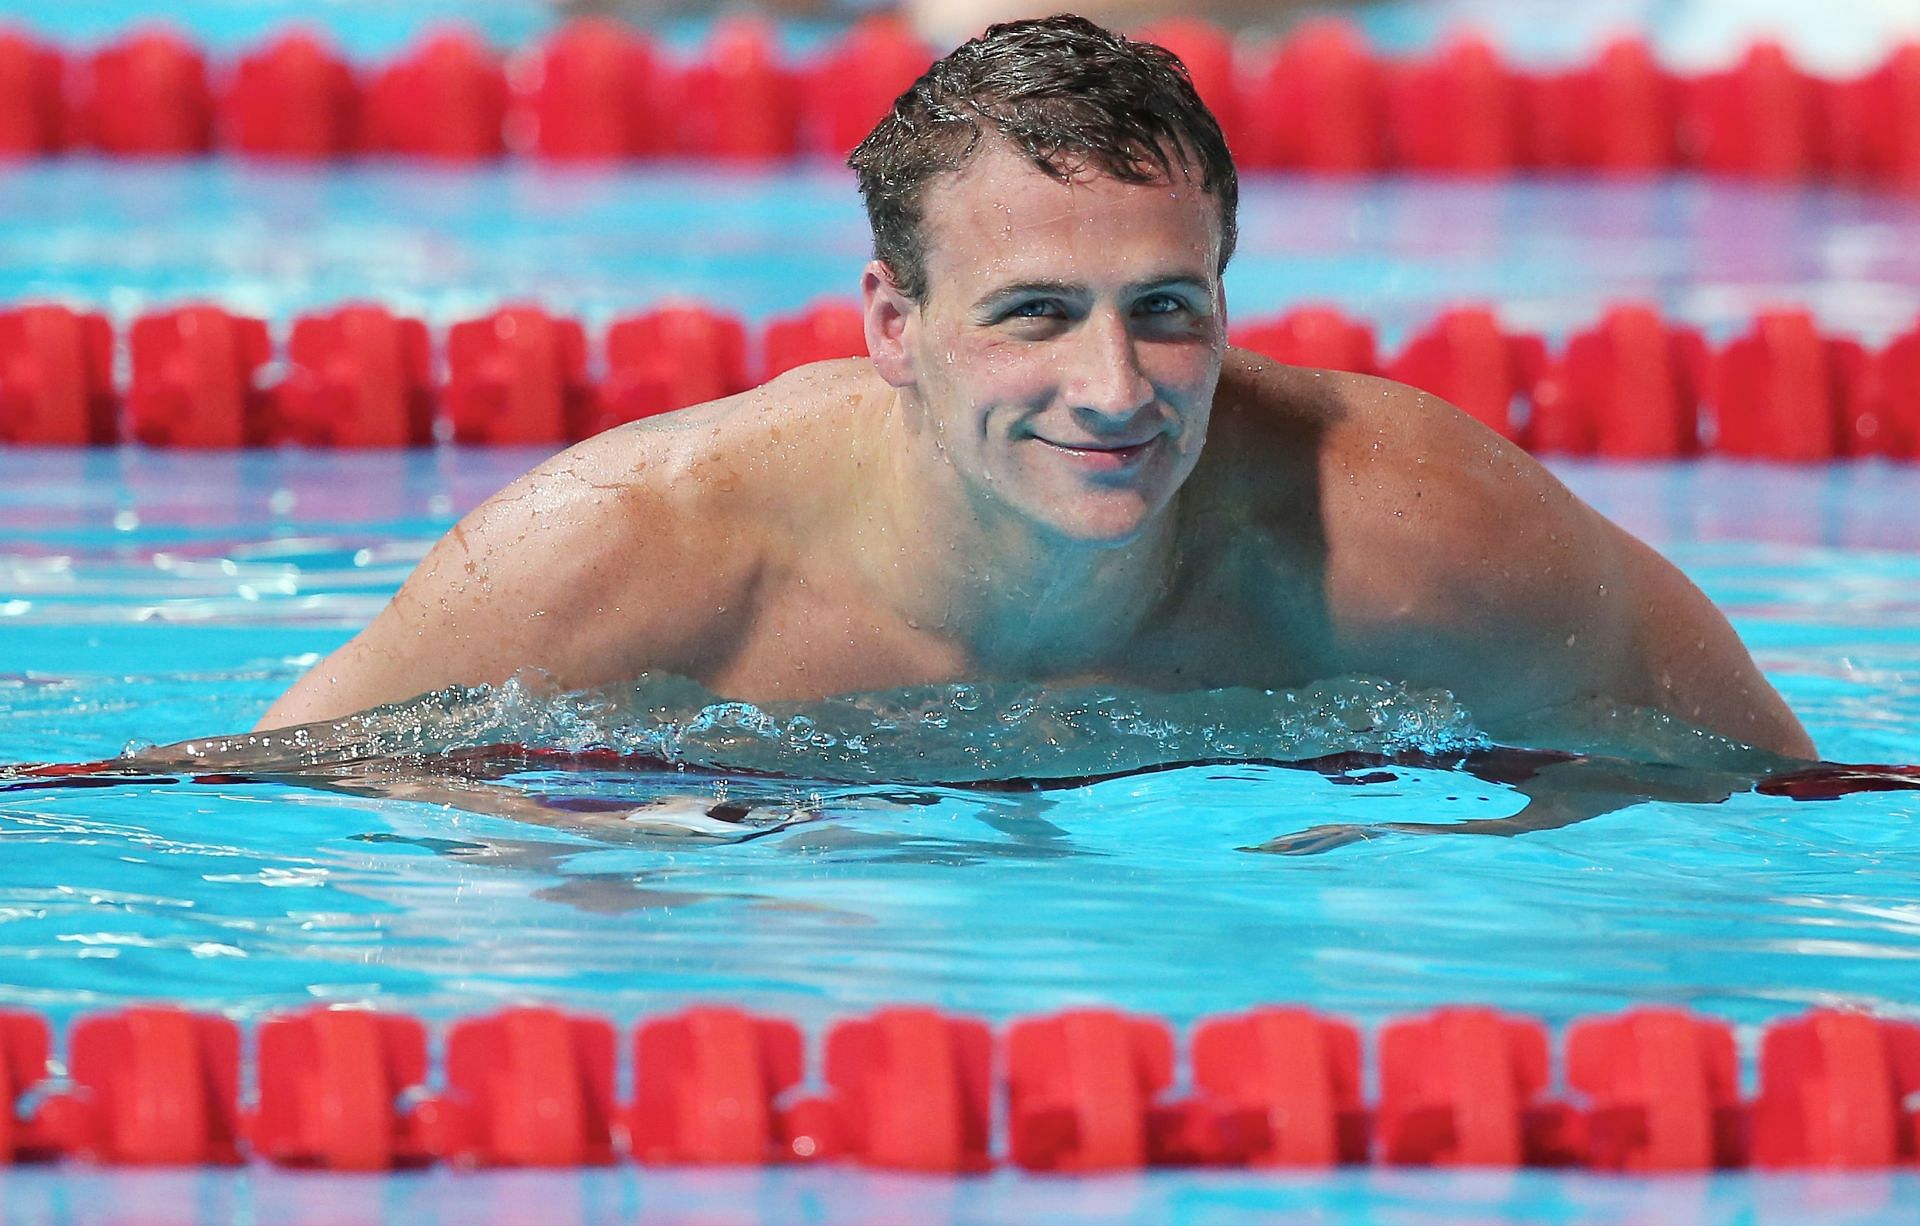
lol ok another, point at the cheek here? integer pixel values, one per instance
(994, 376)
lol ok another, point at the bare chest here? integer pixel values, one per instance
(1224, 624)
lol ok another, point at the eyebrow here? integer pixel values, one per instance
(1067, 289)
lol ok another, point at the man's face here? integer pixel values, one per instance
(1066, 355)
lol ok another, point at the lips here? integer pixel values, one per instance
(1100, 455)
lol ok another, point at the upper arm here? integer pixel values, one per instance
(1486, 575)
(576, 570)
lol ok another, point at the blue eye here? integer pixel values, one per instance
(1038, 309)
(1161, 304)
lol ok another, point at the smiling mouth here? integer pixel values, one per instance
(1101, 455)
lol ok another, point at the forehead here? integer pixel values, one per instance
(1000, 218)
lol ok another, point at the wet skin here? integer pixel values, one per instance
(1014, 487)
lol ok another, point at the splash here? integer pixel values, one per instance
(944, 733)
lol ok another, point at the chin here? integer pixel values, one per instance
(1102, 523)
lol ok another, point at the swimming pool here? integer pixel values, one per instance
(154, 596)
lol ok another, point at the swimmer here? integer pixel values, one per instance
(1053, 468)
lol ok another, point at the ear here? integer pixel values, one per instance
(888, 315)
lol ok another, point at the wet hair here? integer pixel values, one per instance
(1064, 92)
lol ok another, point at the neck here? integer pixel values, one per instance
(1019, 599)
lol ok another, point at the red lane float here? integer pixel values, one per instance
(526, 1088)
(24, 1043)
(1889, 118)
(517, 377)
(1652, 1090)
(707, 1081)
(1461, 111)
(1320, 105)
(293, 98)
(147, 95)
(195, 379)
(1463, 1086)
(1320, 337)
(33, 113)
(1663, 1089)
(1280, 1088)
(330, 1081)
(1889, 423)
(1762, 118)
(1783, 391)
(855, 85)
(1466, 358)
(1618, 115)
(821, 332)
(155, 1086)
(1081, 1087)
(596, 94)
(911, 1090)
(739, 102)
(1837, 1090)
(669, 359)
(447, 99)
(1628, 388)
(56, 378)
(356, 377)
(1211, 59)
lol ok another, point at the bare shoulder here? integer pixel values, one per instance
(1417, 494)
(640, 546)
(1453, 558)
(1449, 556)
(635, 551)
(1390, 467)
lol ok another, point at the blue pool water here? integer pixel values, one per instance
(153, 597)
(146, 598)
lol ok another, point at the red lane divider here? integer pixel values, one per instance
(1319, 100)
(526, 1087)
(196, 379)
(1620, 115)
(518, 376)
(329, 1085)
(595, 93)
(707, 1081)
(293, 98)
(1280, 1088)
(852, 86)
(1462, 1087)
(1664, 1089)
(147, 95)
(56, 378)
(33, 110)
(1628, 388)
(1632, 386)
(1462, 110)
(1649, 1090)
(445, 100)
(739, 101)
(1466, 358)
(1318, 105)
(356, 377)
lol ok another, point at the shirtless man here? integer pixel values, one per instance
(1013, 485)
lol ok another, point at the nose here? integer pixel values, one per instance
(1104, 376)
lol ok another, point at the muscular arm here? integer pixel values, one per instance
(1456, 560)
(589, 569)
